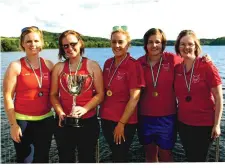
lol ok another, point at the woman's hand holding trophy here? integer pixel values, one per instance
(61, 118)
(78, 111)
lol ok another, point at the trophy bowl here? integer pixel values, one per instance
(73, 85)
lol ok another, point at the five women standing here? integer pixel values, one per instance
(163, 76)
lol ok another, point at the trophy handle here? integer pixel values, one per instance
(60, 80)
(80, 80)
(83, 77)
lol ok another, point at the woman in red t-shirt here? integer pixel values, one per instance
(198, 89)
(76, 91)
(123, 80)
(157, 105)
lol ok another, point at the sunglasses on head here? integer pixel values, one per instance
(66, 46)
(26, 28)
(119, 27)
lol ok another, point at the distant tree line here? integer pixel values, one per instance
(51, 42)
(218, 41)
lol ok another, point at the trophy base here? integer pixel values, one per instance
(73, 122)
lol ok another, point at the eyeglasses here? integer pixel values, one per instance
(26, 28)
(115, 28)
(189, 45)
(66, 46)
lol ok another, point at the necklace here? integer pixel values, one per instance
(72, 81)
(40, 94)
(109, 92)
(188, 85)
(155, 80)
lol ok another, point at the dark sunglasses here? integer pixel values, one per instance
(66, 46)
(26, 28)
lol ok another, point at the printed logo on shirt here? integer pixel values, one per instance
(45, 76)
(179, 74)
(26, 74)
(196, 78)
(120, 75)
(166, 66)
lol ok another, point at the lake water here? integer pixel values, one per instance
(136, 154)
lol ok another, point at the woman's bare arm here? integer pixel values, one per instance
(9, 85)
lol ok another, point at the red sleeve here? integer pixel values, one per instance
(136, 76)
(212, 75)
(177, 59)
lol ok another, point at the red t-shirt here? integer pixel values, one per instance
(200, 110)
(165, 103)
(128, 76)
(27, 101)
(87, 93)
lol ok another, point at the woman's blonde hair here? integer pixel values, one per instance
(126, 33)
(28, 30)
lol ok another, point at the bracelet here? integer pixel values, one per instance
(121, 122)
(11, 125)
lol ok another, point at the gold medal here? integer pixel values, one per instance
(155, 94)
(109, 93)
(155, 80)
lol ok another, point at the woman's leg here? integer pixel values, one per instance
(66, 140)
(151, 153)
(120, 151)
(43, 131)
(166, 137)
(196, 141)
(147, 138)
(165, 155)
(25, 149)
(158, 137)
(87, 140)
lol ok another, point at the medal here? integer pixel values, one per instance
(188, 98)
(155, 94)
(109, 93)
(188, 85)
(155, 80)
(40, 94)
(39, 82)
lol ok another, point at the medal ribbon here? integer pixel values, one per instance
(115, 69)
(39, 63)
(185, 78)
(153, 78)
(78, 66)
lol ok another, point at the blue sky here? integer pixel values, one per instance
(97, 17)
